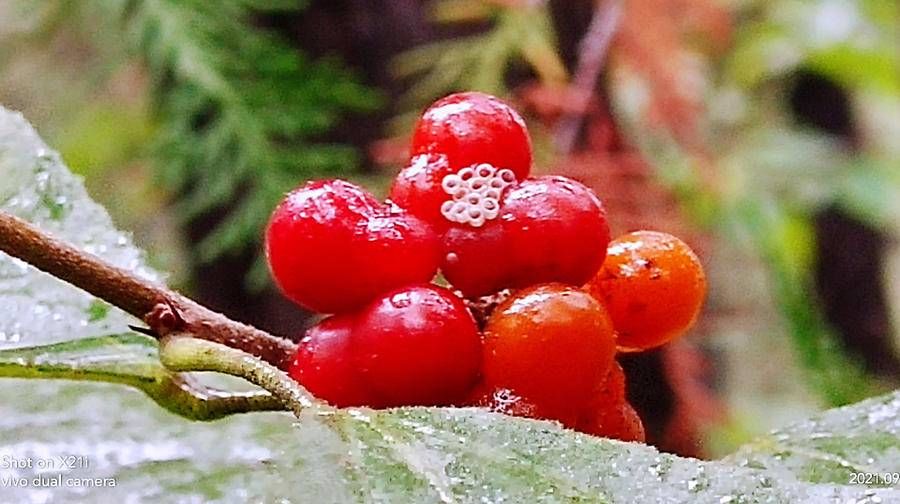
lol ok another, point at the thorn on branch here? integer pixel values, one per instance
(164, 319)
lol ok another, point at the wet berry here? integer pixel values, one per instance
(474, 128)
(332, 247)
(458, 137)
(549, 229)
(477, 262)
(325, 364)
(551, 344)
(418, 189)
(653, 286)
(557, 229)
(418, 346)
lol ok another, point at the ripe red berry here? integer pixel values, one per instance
(653, 286)
(325, 364)
(473, 128)
(551, 344)
(332, 247)
(417, 188)
(457, 139)
(477, 262)
(549, 229)
(418, 346)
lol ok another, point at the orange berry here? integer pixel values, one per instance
(552, 345)
(653, 286)
(619, 422)
(612, 390)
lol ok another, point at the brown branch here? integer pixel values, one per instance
(591, 56)
(164, 310)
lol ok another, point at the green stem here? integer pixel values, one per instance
(129, 359)
(184, 353)
(182, 396)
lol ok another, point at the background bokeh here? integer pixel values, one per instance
(765, 133)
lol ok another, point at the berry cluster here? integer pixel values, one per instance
(531, 256)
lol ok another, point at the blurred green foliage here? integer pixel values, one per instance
(855, 45)
(240, 116)
(517, 37)
(772, 173)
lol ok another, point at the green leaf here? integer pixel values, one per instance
(864, 438)
(126, 448)
(133, 360)
(37, 308)
(130, 359)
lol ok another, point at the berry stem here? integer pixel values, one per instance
(185, 353)
(164, 310)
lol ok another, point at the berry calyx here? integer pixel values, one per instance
(550, 229)
(474, 128)
(332, 247)
(653, 286)
(418, 346)
(325, 364)
(551, 344)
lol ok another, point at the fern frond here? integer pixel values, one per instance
(241, 112)
(518, 35)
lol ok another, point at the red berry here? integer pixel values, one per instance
(550, 229)
(418, 346)
(477, 262)
(417, 188)
(325, 364)
(332, 247)
(458, 137)
(473, 128)
(551, 344)
(653, 286)
(557, 229)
